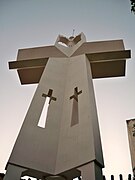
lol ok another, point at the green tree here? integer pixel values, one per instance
(133, 6)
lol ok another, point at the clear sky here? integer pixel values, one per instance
(30, 23)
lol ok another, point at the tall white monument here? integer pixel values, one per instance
(62, 141)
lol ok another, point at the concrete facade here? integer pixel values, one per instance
(69, 145)
(131, 137)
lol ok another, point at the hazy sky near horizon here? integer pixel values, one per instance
(31, 23)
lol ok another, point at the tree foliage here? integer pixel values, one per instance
(133, 6)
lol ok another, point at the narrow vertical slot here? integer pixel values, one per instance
(75, 119)
(75, 115)
(43, 116)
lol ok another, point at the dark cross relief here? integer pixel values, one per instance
(75, 119)
(49, 95)
(43, 116)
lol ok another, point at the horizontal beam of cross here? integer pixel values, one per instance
(93, 57)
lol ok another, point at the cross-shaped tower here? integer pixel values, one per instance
(69, 144)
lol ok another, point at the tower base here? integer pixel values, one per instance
(14, 172)
(90, 171)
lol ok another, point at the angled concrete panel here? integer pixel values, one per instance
(69, 142)
(100, 46)
(62, 76)
(42, 143)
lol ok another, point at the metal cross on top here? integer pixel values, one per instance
(69, 146)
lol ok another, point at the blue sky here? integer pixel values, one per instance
(31, 23)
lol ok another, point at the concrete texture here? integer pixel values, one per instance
(71, 137)
(60, 145)
(107, 58)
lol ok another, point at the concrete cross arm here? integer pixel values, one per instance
(108, 64)
(32, 61)
(107, 58)
(35, 57)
